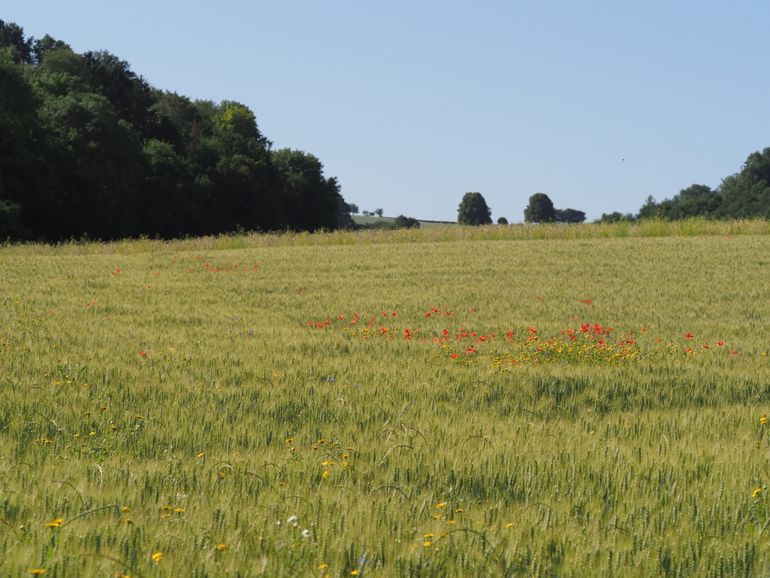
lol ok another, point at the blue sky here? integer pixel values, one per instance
(411, 104)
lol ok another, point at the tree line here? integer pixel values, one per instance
(745, 194)
(473, 210)
(89, 148)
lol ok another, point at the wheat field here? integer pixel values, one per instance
(516, 401)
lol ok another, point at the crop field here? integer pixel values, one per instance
(556, 401)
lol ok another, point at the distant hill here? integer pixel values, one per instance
(369, 220)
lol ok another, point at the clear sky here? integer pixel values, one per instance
(413, 103)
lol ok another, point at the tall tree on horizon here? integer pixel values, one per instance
(473, 210)
(539, 209)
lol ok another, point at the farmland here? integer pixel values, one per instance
(499, 401)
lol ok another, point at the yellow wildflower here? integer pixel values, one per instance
(125, 509)
(355, 572)
(157, 557)
(37, 571)
(323, 566)
(763, 420)
(441, 505)
(756, 493)
(427, 544)
(325, 474)
(509, 525)
(55, 523)
(222, 547)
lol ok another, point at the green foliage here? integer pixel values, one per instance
(616, 217)
(12, 36)
(745, 194)
(23, 172)
(128, 94)
(311, 199)
(236, 118)
(694, 201)
(473, 210)
(10, 222)
(539, 209)
(502, 221)
(89, 148)
(404, 222)
(344, 215)
(46, 45)
(569, 216)
(650, 209)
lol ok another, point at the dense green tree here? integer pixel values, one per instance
(21, 165)
(12, 36)
(44, 46)
(650, 209)
(569, 216)
(173, 204)
(175, 120)
(747, 193)
(10, 222)
(311, 199)
(473, 210)
(88, 147)
(694, 201)
(344, 214)
(502, 221)
(128, 93)
(404, 222)
(353, 208)
(97, 160)
(616, 217)
(539, 209)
